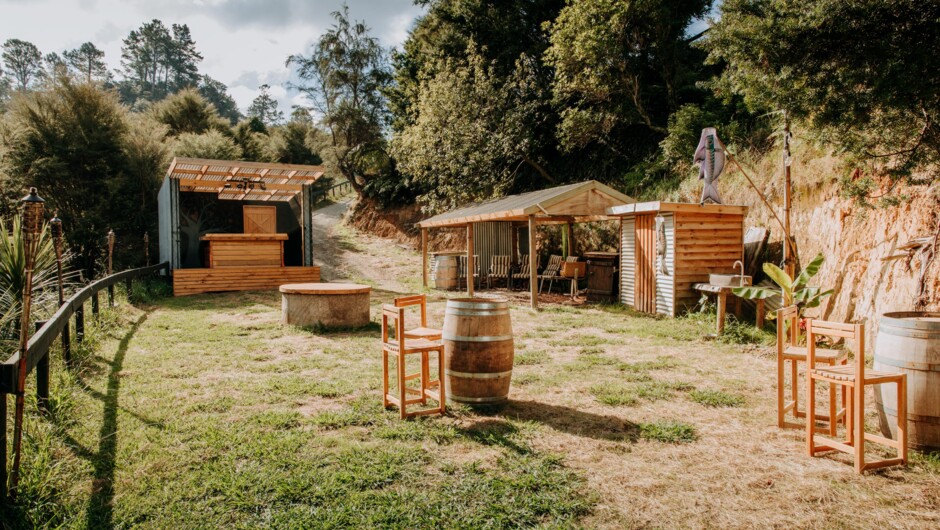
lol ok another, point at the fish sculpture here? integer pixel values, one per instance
(710, 155)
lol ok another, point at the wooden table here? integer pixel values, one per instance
(245, 250)
(722, 292)
(325, 304)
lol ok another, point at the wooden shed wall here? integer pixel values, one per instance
(704, 244)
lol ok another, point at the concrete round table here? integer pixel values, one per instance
(325, 304)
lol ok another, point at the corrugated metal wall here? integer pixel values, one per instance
(491, 239)
(168, 222)
(627, 260)
(665, 283)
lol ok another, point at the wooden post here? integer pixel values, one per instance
(469, 259)
(94, 305)
(533, 265)
(110, 296)
(760, 313)
(788, 257)
(67, 344)
(42, 376)
(569, 230)
(722, 305)
(424, 256)
(80, 323)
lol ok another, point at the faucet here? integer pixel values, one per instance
(741, 276)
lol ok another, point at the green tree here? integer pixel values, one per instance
(216, 92)
(23, 63)
(87, 61)
(865, 74)
(68, 142)
(343, 78)
(294, 142)
(158, 61)
(264, 107)
(188, 112)
(211, 144)
(621, 68)
(55, 68)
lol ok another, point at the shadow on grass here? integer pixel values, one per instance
(100, 510)
(573, 421)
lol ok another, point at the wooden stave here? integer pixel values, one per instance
(911, 347)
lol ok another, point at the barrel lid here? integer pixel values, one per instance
(478, 303)
(922, 320)
(324, 288)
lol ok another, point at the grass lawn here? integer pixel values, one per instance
(206, 412)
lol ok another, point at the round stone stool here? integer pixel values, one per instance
(325, 304)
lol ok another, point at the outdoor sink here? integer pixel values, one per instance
(729, 280)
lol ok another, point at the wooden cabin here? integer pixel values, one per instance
(668, 247)
(232, 225)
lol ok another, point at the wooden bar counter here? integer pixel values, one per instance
(245, 250)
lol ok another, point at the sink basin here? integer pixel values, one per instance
(729, 280)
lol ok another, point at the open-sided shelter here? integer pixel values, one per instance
(573, 203)
(230, 225)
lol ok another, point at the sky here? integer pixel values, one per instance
(244, 43)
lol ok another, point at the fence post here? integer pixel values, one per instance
(80, 323)
(42, 376)
(94, 305)
(67, 344)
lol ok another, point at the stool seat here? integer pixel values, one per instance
(423, 333)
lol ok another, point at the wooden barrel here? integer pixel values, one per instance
(478, 350)
(445, 272)
(910, 343)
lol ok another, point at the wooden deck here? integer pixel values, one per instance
(195, 281)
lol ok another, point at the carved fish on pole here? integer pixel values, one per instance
(710, 155)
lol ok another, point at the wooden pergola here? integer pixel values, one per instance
(237, 180)
(573, 203)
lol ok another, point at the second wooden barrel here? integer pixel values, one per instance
(445, 272)
(910, 343)
(478, 350)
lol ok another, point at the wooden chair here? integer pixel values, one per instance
(551, 273)
(855, 378)
(423, 331)
(401, 346)
(521, 270)
(462, 270)
(499, 269)
(790, 349)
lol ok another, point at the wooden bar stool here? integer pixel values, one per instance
(855, 378)
(401, 346)
(423, 331)
(790, 349)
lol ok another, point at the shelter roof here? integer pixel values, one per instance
(579, 202)
(237, 180)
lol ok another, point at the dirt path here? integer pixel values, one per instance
(345, 254)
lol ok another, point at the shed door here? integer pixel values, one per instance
(260, 219)
(645, 294)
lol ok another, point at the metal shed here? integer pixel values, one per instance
(667, 247)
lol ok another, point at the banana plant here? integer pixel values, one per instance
(790, 290)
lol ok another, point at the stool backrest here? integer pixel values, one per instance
(393, 316)
(524, 265)
(415, 300)
(853, 332)
(788, 329)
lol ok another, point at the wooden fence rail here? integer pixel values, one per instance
(37, 350)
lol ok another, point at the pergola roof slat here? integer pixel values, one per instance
(268, 181)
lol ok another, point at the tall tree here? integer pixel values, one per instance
(264, 107)
(88, 62)
(55, 68)
(216, 92)
(343, 78)
(158, 62)
(182, 59)
(865, 73)
(23, 62)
